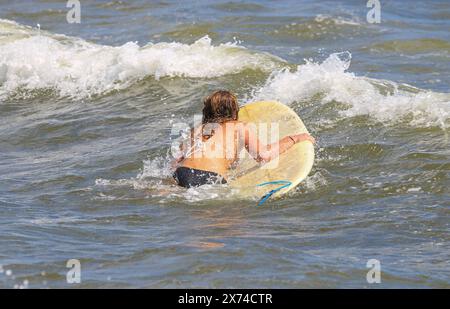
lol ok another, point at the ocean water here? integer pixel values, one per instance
(86, 113)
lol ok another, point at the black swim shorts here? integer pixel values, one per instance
(190, 177)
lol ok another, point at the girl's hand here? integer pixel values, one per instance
(303, 137)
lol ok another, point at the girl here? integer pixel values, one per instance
(216, 143)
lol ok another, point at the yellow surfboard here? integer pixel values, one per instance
(293, 165)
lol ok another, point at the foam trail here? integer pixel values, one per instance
(31, 59)
(379, 99)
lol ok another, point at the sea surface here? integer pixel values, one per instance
(86, 118)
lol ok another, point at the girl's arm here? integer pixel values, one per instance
(265, 153)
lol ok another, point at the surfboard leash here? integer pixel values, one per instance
(283, 183)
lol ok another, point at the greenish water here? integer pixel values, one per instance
(86, 113)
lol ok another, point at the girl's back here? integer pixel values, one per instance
(214, 147)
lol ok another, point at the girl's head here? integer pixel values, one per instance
(219, 107)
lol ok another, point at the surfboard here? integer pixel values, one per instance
(293, 165)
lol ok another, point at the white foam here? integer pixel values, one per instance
(155, 180)
(157, 167)
(414, 189)
(327, 19)
(314, 181)
(31, 59)
(380, 99)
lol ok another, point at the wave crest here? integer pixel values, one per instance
(380, 99)
(31, 59)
